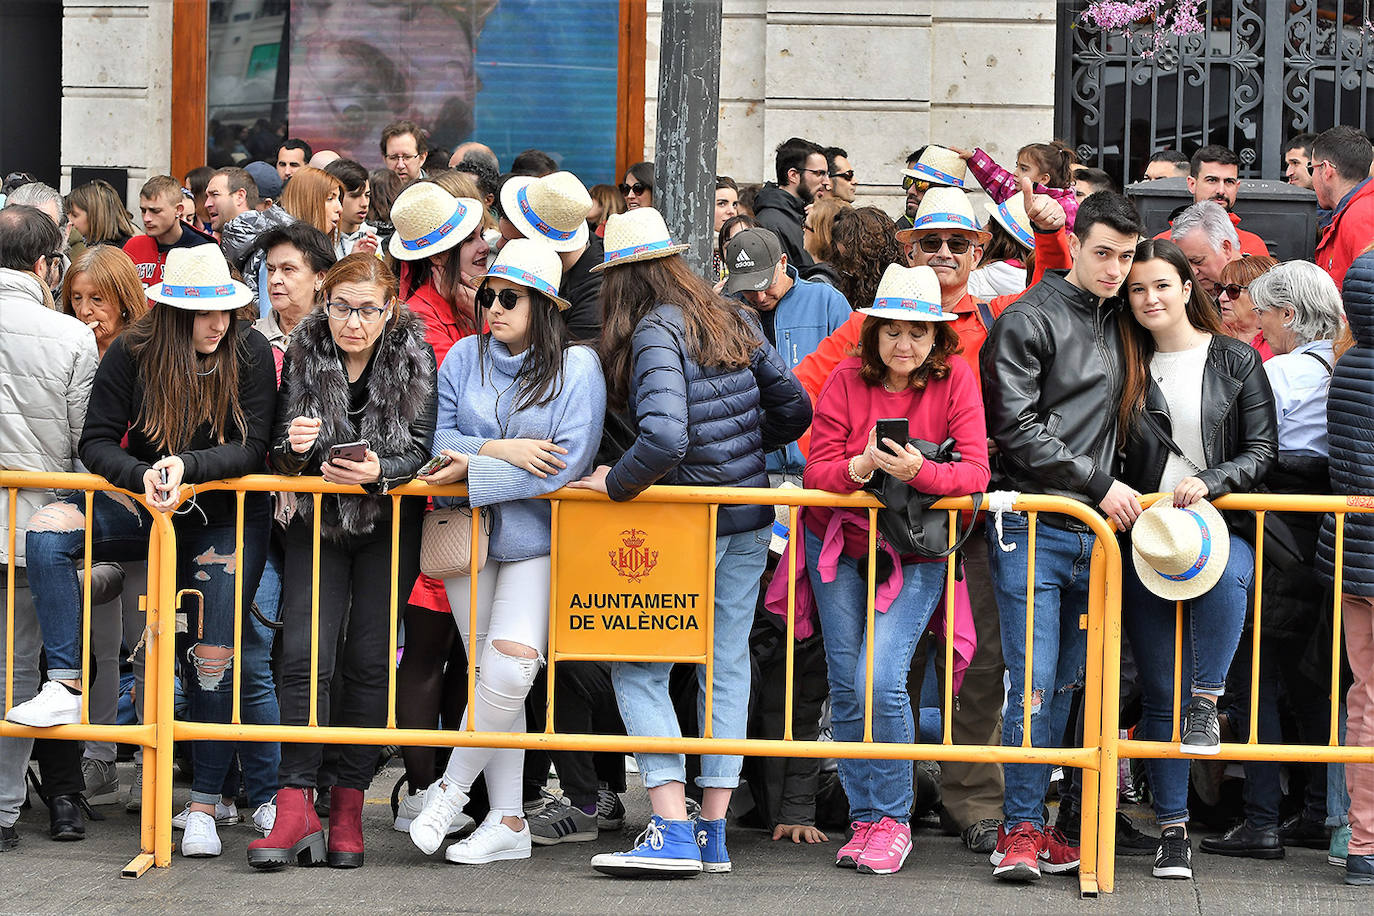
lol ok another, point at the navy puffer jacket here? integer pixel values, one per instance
(1350, 427)
(705, 426)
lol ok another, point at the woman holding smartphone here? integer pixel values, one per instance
(357, 407)
(907, 374)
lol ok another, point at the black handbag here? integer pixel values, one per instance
(907, 522)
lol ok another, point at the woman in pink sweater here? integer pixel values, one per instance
(906, 367)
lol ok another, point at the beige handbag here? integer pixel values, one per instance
(446, 543)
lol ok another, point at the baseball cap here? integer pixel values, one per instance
(265, 176)
(751, 257)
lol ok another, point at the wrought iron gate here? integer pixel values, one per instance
(1261, 72)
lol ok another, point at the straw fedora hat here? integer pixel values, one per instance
(944, 208)
(553, 208)
(908, 294)
(1011, 214)
(429, 220)
(197, 279)
(939, 165)
(1180, 553)
(637, 235)
(531, 263)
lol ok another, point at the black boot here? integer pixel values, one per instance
(1247, 842)
(65, 821)
(9, 838)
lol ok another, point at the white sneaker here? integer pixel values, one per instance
(409, 808)
(430, 826)
(491, 842)
(54, 705)
(225, 815)
(200, 840)
(265, 816)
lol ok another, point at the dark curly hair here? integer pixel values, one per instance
(935, 366)
(863, 242)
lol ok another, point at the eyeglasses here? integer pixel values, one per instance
(636, 189)
(847, 176)
(509, 298)
(931, 244)
(342, 311)
(821, 172)
(1313, 166)
(908, 181)
(401, 157)
(1233, 290)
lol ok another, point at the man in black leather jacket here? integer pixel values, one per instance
(1052, 380)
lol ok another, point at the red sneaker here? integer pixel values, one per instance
(1017, 856)
(1058, 856)
(848, 856)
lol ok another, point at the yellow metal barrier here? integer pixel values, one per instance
(160, 731)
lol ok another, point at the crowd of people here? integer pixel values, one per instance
(519, 332)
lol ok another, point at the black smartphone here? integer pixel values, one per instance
(349, 451)
(437, 463)
(894, 428)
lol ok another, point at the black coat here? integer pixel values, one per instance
(784, 213)
(1350, 429)
(582, 289)
(1239, 429)
(702, 426)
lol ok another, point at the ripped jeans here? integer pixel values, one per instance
(1062, 561)
(205, 562)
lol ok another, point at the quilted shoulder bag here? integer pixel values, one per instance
(446, 542)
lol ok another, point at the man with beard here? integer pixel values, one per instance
(1214, 174)
(802, 171)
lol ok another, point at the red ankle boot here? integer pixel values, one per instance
(296, 837)
(345, 827)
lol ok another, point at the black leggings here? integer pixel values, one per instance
(432, 681)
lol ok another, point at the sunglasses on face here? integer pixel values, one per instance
(509, 298)
(1233, 290)
(908, 181)
(931, 244)
(636, 189)
(847, 176)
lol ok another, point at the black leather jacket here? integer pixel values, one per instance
(1052, 378)
(1240, 434)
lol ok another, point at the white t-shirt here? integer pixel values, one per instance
(1179, 377)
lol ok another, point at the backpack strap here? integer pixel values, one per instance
(984, 314)
(1319, 358)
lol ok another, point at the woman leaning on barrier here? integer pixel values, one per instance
(711, 396)
(357, 407)
(1351, 435)
(520, 413)
(908, 371)
(1197, 420)
(193, 391)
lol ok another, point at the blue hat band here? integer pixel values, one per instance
(523, 276)
(637, 249)
(198, 292)
(918, 307)
(1203, 554)
(938, 175)
(1011, 225)
(544, 228)
(963, 222)
(438, 232)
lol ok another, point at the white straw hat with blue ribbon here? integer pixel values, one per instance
(939, 165)
(1180, 553)
(531, 263)
(944, 208)
(430, 220)
(1011, 214)
(197, 279)
(637, 235)
(908, 294)
(553, 208)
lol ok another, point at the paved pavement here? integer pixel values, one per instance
(940, 877)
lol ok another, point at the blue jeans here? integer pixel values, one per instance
(1214, 623)
(260, 760)
(641, 688)
(1062, 560)
(205, 562)
(876, 788)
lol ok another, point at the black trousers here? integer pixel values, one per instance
(354, 608)
(584, 704)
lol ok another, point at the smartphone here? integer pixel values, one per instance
(349, 451)
(162, 477)
(437, 463)
(894, 428)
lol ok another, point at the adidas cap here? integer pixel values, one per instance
(751, 257)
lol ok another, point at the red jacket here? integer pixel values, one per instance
(1348, 235)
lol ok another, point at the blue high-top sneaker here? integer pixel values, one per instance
(711, 839)
(666, 849)
(1359, 870)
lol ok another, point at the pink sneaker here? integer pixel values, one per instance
(848, 856)
(888, 846)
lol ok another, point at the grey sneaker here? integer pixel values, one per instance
(1201, 731)
(981, 837)
(562, 822)
(135, 802)
(610, 810)
(102, 781)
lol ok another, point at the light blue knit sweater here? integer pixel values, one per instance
(474, 410)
